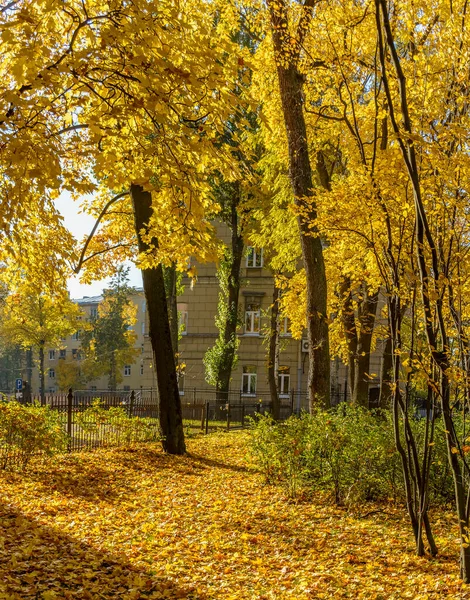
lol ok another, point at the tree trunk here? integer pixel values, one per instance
(170, 413)
(41, 372)
(112, 372)
(367, 311)
(349, 329)
(300, 172)
(224, 374)
(170, 276)
(386, 378)
(273, 356)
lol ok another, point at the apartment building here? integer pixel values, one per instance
(197, 307)
(134, 375)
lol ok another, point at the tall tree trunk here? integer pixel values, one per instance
(349, 329)
(170, 414)
(170, 276)
(273, 356)
(224, 374)
(300, 172)
(367, 312)
(386, 376)
(42, 376)
(112, 372)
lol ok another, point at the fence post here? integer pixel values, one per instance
(69, 419)
(131, 404)
(258, 406)
(194, 396)
(207, 416)
(228, 415)
(203, 416)
(243, 416)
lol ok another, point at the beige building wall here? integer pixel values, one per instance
(197, 308)
(133, 375)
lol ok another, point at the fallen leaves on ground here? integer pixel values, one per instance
(135, 523)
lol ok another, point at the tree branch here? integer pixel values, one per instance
(82, 258)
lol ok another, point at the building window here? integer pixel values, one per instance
(254, 258)
(284, 328)
(76, 354)
(93, 312)
(51, 354)
(249, 380)
(181, 383)
(183, 319)
(51, 373)
(127, 370)
(76, 335)
(142, 349)
(51, 390)
(283, 381)
(62, 353)
(142, 369)
(127, 388)
(252, 314)
(93, 388)
(143, 327)
(144, 306)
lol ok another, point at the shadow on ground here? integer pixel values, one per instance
(38, 561)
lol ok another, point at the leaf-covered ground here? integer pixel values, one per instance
(134, 523)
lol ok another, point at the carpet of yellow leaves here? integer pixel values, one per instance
(135, 523)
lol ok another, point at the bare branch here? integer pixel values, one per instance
(82, 258)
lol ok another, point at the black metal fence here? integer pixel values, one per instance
(98, 418)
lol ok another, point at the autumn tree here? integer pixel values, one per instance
(32, 318)
(109, 342)
(288, 56)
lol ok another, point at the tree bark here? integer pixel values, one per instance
(301, 177)
(224, 374)
(42, 377)
(273, 356)
(170, 414)
(386, 378)
(170, 276)
(349, 329)
(367, 311)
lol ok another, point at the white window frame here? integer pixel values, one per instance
(63, 353)
(254, 258)
(51, 354)
(127, 370)
(284, 327)
(249, 381)
(183, 322)
(181, 384)
(282, 378)
(93, 312)
(143, 327)
(51, 374)
(76, 335)
(251, 317)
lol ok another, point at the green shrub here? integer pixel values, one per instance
(113, 426)
(347, 452)
(26, 431)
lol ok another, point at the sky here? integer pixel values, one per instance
(80, 224)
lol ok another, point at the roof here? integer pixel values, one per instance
(97, 299)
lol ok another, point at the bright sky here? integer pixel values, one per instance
(80, 224)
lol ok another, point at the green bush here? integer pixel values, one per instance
(112, 426)
(347, 452)
(26, 431)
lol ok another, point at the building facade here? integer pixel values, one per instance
(197, 307)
